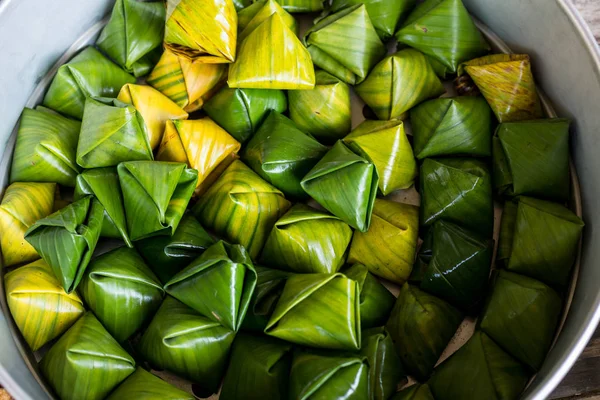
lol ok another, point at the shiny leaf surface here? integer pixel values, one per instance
(376, 302)
(302, 6)
(142, 385)
(269, 287)
(385, 367)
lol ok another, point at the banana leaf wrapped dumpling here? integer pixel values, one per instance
(325, 111)
(267, 8)
(506, 82)
(376, 301)
(86, 362)
(521, 315)
(414, 392)
(539, 239)
(345, 184)
(241, 207)
(144, 385)
(467, 202)
(385, 144)
(385, 367)
(345, 44)
(421, 326)
(188, 344)
(204, 31)
(388, 248)
(188, 83)
(272, 57)
(459, 267)
(452, 126)
(167, 255)
(67, 238)
(121, 291)
(154, 107)
(444, 30)
(111, 132)
(480, 369)
(103, 183)
(318, 310)
(531, 158)
(134, 34)
(202, 145)
(155, 195)
(327, 375)
(88, 74)
(259, 369)
(398, 83)
(46, 147)
(282, 154)
(241, 111)
(228, 270)
(22, 205)
(39, 305)
(306, 240)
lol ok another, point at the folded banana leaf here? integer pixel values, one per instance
(272, 57)
(269, 286)
(318, 310)
(506, 82)
(103, 183)
(388, 248)
(398, 83)
(444, 30)
(385, 144)
(459, 267)
(414, 392)
(229, 272)
(376, 302)
(421, 326)
(539, 239)
(521, 315)
(45, 149)
(467, 202)
(88, 74)
(385, 367)
(480, 369)
(302, 6)
(259, 369)
(134, 35)
(39, 305)
(23, 204)
(154, 107)
(122, 291)
(532, 158)
(440, 69)
(241, 111)
(248, 12)
(167, 255)
(142, 385)
(155, 195)
(67, 238)
(345, 44)
(325, 111)
(241, 207)
(86, 362)
(306, 240)
(111, 132)
(282, 154)
(241, 5)
(328, 375)
(345, 184)
(452, 126)
(184, 342)
(204, 31)
(268, 8)
(202, 145)
(385, 15)
(186, 82)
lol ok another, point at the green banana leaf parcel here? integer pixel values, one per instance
(229, 273)
(86, 362)
(142, 385)
(302, 6)
(88, 74)
(385, 367)
(46, 148)
(67, 239)
(414, 392)
(306, 240)
(121, 291)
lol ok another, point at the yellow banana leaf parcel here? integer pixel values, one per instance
(267, 9)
